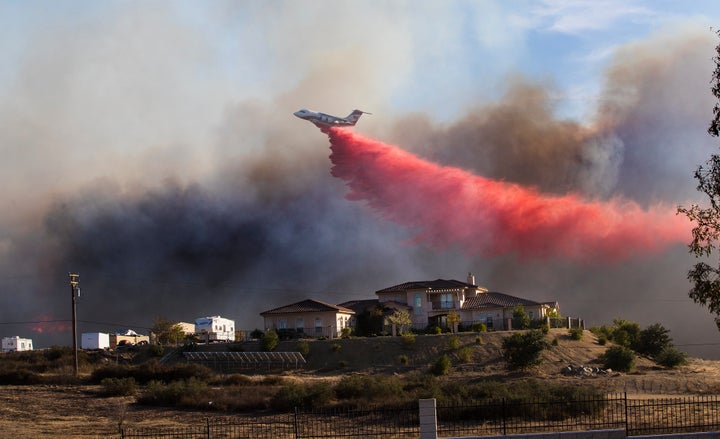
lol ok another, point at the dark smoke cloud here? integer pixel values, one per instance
(253, 219)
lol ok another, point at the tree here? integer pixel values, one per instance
(522, 350)
(269, 341)
(167, 331)
(453, 320)
(618, 358)
(400, 319)
(704, 278)
(520, 319)
(653, 340)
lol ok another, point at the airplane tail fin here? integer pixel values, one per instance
(355, 115)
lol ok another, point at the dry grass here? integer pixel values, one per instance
(75, 411)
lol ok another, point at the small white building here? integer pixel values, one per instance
(16, 344)
(215, 328)
(95, 340)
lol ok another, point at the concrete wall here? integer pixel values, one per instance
(592, 434)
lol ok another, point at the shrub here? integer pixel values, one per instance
(479, 327)
(256, 334)
(154, 350)
(520, 319)
(303, 347)
(408, 340)
(465, 354)
(653, 340)
(671, 358)
(576, 333)
(342, 364)
(555, 342)
(434, 329)
(118, 386)
(545, 328)
(335, 347)
(346, 332)
(269, 341)
(369, 388)
(293, 395)
(403, 359)
(478, 340)
(522, 350)
(602, 340)
(453, 342)
(177, 393)
(441, 366)
(619, 358)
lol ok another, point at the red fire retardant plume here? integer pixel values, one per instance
(448, 207)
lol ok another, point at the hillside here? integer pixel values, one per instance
(76, 410)
(383, 355)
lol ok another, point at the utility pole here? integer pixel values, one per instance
(73, 288)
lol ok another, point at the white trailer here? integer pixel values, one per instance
(16, 344)
(215, 328)
(95, 340)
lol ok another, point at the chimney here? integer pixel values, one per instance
(471, 279)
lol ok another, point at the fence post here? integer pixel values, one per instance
(504, 416)
(428, 418)
(295, 422)
(627, 421)
(207, 427)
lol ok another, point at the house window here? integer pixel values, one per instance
(531, 315)
(318, 326)
(282, 324)
(417, 304)
(446, 301)
(299, 324)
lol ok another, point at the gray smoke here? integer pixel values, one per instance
(226, 204)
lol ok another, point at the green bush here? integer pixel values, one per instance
(602, 339)
(653, 340)
(555, 342)
(346, 332)
(619, 358)
(478, 340)
(184, 393)
(522, 350)
(453, 342)
(403, 359)
(293, 395)
(256, 334)
(465, 354)
(269, 341)
(408, 340)
(520, 318)
(336, 347)
(303, 347)
(154, 350)
(479, 327)
(441, 366)
(118, 386)
(576, 333)
(671, 358)
(369, 388)
(434, 330)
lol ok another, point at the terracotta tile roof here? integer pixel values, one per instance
(435, 285)
(360, 305)
(497, 300)
(309, 305)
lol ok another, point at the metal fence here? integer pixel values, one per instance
(487, 418)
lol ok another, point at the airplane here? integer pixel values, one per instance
(322, 120)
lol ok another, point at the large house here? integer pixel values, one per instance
(427, 302)
(430, 302)
(309, 317)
